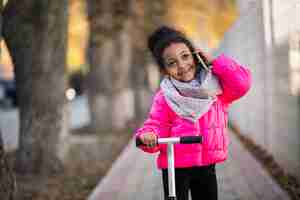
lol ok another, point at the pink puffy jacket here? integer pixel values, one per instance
(235, 81)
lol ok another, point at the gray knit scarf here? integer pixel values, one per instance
(191, 100)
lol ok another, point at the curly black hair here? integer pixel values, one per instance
(161, 38)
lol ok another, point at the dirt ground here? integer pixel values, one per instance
(86, 164)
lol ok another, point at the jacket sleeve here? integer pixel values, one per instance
(235, 79)
(158, 121)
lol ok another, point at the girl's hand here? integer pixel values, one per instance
(208, 58)
(149, 139)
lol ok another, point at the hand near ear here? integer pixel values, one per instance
(207, 57)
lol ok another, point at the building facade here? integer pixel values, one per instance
(266, 38)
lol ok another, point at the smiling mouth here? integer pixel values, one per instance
(185, 72)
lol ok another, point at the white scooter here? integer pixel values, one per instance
(171, 169)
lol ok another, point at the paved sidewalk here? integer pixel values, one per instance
(134, 177)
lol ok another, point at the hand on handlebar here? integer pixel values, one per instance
(149, 139)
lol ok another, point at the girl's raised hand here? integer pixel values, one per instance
(208, 58)
(149, 139)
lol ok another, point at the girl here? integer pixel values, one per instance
(192, 100)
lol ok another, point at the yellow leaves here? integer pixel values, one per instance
(6, 70)
(77, 34)
(202, 20)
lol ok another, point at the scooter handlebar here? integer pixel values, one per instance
(181, 140)
(190, 139)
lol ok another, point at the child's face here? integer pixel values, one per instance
(179, 62)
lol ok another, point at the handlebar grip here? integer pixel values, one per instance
(190, 139)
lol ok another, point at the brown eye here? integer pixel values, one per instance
(186, 56)
(171, 64)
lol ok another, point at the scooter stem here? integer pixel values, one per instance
(171, 172)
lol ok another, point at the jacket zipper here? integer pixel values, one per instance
(197, 126)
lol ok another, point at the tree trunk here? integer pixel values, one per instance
(7, 178)
(109, 55)
(36, 35)
(140, 85)
(147, 16)
(122, 97)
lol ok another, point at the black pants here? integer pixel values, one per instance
(201, 181)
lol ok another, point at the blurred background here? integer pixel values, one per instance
(76, 76)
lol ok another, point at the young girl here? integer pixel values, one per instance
(192, 101)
